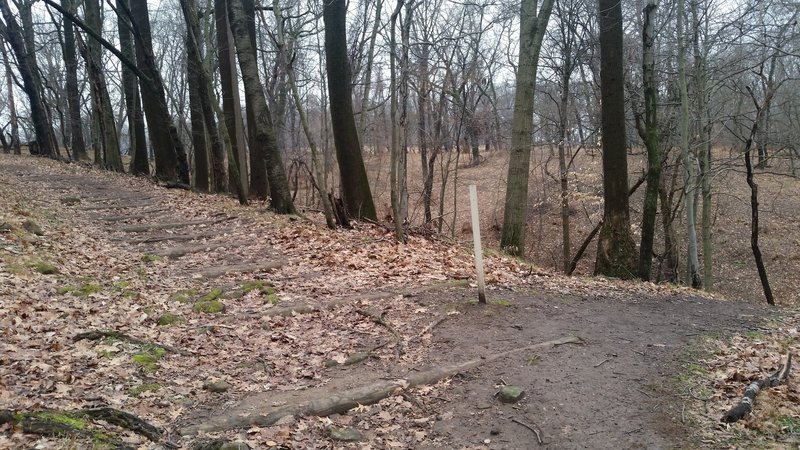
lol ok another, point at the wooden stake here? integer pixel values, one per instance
(476, 237)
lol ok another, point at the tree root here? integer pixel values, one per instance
(60, 423)
(339, 402)
(95, 335)
(745, 405)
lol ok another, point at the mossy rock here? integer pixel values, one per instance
(32, 227)
(142, 388)
(148, 358)
(218, 386)
(69, 201)
(169, 318)
(510, 394)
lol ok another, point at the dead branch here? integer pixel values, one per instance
(95, 335)
(530, 427)
(745, 405)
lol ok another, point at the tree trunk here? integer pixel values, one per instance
(73, 94)
(352, 172)
(26, 64)
(263, 134)
(170, 154)
(12, 109)
(259, 183)
(562, 165)
(231, 104)
(704, 126)
(616, 251)
(101, 101)
(532, 30)
(399, 192)
(692, 263)
(196, 116)
(651, 141)
(140, 163)
(319, 184)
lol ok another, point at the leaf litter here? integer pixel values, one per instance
(42, 367)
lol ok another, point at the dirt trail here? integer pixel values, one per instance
(614, 391)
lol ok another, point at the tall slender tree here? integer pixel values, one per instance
(531, 34)
(26, 64)
(352, 172)
(170, 155)
(264, 135)
(140, 164)
(73, 93)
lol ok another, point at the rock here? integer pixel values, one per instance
(328, 363)
(216, 386)
(483, 405)
(344, 434)
(32, 227)
(511, 394)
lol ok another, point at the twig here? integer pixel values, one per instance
(530, 427)
(380, 321)
(99, 334)
(601, 363)
(429, 328)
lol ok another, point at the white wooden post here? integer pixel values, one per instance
(476, 238)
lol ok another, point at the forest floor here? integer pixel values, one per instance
(209, 320)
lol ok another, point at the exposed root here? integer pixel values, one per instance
(95, 335)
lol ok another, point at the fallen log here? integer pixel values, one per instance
(745, 405)
(339, 402)
(63, 423)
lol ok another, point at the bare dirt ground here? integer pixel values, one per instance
(223, 312)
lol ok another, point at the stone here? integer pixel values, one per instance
(344, 434)
(217, 387)
(32, 227)
(510, 394)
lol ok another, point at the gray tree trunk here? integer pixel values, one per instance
(12, 109)
(532, 30)
(73, 94)
(264, 134)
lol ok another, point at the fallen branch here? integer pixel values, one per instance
(429, 328)
(745, 405)
(317, 404)
(95, 335)
(530, 427)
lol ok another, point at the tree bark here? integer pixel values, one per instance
(12, 109)
(140, 164)
(352, 172)
(692, 263)
(101, 101)
(170, 154)
(231, 106)
(616, 251)
(73, 94)
(651, 141)
(26, 64)
(532, 30)
(263, 134)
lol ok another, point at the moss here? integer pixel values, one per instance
(151, 258)
(102, 440)
(129, 294)
(273, 298)
(122, 285)
(213, 295)
(69, 201)
(789, 424)
(209, 306)
(80, 291)
(184, 296)
(44, 268)
(168, 318)
(253, 286)
(500, 302)
(71, 420)
(142, 388)
(148, 358)
(32, 227)
(15, 268)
